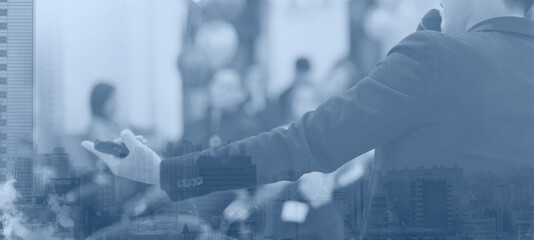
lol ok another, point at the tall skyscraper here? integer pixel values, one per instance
(435, 197)
(17, 93)
(58, 162)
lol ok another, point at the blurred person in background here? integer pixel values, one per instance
(218, 40)
(105, 117)
(104, 121)
(222, 105)
(223, 96)
(220, 34)
(211, 48)
(195, 71)
(230, 119)
(299, 96)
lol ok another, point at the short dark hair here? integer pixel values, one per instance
(522, 4)
(99, 97)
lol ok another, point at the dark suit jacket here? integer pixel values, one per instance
(435, 99)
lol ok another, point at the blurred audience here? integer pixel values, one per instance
(223, 95)
(230, 98)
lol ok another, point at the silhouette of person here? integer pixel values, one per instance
(104, 121)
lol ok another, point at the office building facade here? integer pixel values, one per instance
(17, 151)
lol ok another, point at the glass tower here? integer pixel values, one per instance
(17, 93)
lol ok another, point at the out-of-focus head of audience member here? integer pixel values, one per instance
(458, 14)
(343, 76)
(195, 71)
(193, 66)
(302, 70)
(104, 101)
(218, 40)
(227, 91)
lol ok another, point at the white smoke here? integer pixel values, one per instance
(15, 225)
(44, 174)
(62, 212)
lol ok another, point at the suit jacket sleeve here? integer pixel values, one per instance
(393, 99)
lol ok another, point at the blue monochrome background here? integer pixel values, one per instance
(191, 75)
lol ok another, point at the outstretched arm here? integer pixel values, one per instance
(392, 100)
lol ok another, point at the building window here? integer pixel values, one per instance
(3, 136)
(3, 94)
(3, 108)
(3, 122)
(3, 12)
(3, 80)
(3, 53)
(3, 39)
(3, 150)
(3, 25)
(3, 67)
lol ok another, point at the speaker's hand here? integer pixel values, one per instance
(142, 164)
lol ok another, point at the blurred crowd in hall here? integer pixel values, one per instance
(241, 67)
(203, 71)
(225, 77)
(225, 81)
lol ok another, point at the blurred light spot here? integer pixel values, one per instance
(293, 211)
